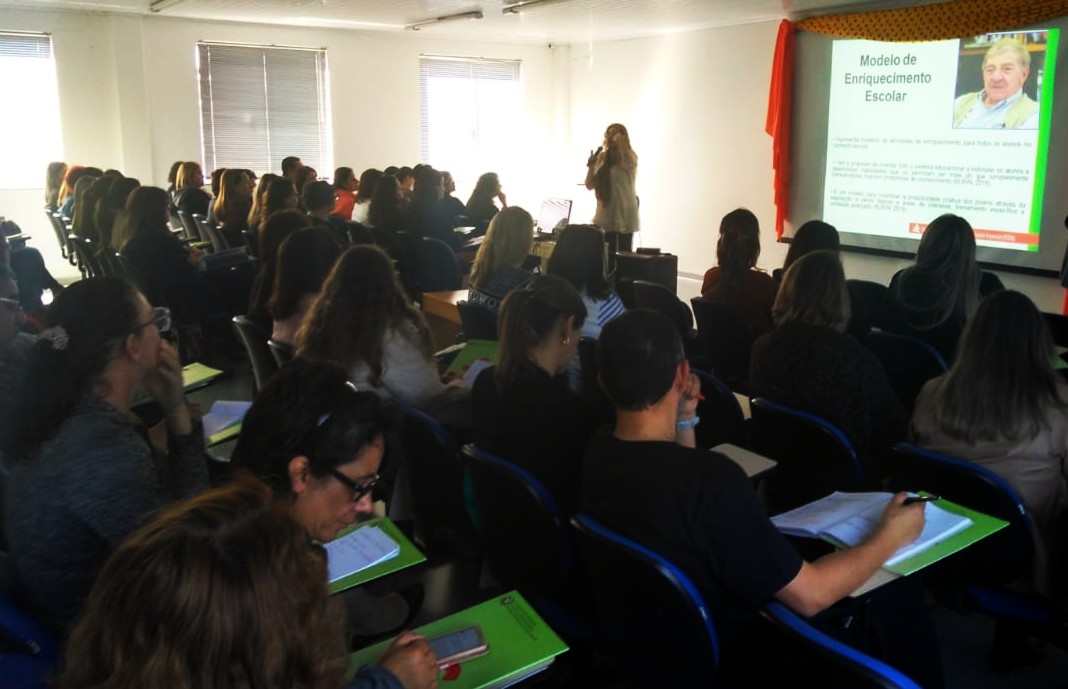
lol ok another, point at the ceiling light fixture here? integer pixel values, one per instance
(523, 5)
(160, 5)
(473, 14)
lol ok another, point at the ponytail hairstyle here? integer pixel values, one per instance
(88, 322)
(530, 316)
(738, 248)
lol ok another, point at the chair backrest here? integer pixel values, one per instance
(592, 391)
(523, 531)
(815, 457)
(841, 665)
(653, 295)
(727, 340)
(655, 623)
(210, 232)
(86, 255)
(57, 228)
(30, 652)
(189, 223)
(722, 418)
(909, 362)
(439, 271)
(477, 321)
(283, 353)
(360, 234)
(434, 476)
(867, 299)
(259, 354)
(976, 487)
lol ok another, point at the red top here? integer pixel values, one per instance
(753, 302)
(346, 201)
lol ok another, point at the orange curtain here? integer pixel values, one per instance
(936, 22)
(780, 102)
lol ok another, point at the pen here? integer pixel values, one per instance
(920, 498)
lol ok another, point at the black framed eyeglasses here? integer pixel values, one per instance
(358, 490)
(161, 318)
(12, 303)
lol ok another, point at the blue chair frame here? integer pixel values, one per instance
(861, 668)
(722, 418)
(674, 643)
(815, 457)
(36, 653)
(909, 362)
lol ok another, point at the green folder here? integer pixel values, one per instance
(474, 350)
(520, 643)
(197, 375)
(409, 555)
(223, 435)
(982, 526)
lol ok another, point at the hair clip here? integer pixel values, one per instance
(56, 336)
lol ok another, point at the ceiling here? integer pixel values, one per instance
(554, 21)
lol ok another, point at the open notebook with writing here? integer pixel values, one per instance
(847, 519)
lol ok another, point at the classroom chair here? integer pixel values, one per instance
(60, 232)
(815, 457)
(283, 353)
(656, 627)
(722, 418)
(476, 321)
(726, 341)
(85, 253)
(30, 653)
(909, 363)
(439, 271)
(259, 354)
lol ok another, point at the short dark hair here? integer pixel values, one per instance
(308, 409)
(638, 355)
(289, 164)
(317, 195)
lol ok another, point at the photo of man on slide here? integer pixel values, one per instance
(1002, 104)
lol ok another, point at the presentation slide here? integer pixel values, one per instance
(909, 131)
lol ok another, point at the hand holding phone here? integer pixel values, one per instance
(459, 645)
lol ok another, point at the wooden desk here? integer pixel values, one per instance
(442, 316)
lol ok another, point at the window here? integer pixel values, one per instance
(259, 105)
(472, 115)
(30, 136)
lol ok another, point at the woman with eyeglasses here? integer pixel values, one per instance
(83, 474)
(319, 445)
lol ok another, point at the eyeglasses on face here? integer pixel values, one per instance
(358, 490)
(12, 303)
(161, 318)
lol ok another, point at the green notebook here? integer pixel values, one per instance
(409, 555)
(982, 526)
(475, 356)
(520, 643)
(197, 375)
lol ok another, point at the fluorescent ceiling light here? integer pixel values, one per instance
(523, 5)
(160, 5)
(473, 14)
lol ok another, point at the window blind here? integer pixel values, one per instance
(30, 135)
(261, 104)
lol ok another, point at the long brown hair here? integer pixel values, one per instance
(530, 316)
(360, 301)
(228, 195)
(737, 249)
(221, 591)
(617, 153)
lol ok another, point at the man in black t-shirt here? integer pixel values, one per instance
(648, 482)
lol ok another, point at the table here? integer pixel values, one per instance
(442, 316)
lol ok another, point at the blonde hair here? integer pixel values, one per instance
(508, 242)
(813, 292)
(186, 172)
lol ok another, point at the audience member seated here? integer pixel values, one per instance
(304, 260)
(809, 363)
(31, 274)
(814, 235)
(388, 210)
(522, 410)
(108, 210)
(304, 176)
(364, 322)
(290, 166)
(225, 591)
(14, 344)
(160, 264)
(188, 195)
(275, 230)
(54, 177)
(481, 208)
(233, 205)
(699, 510)
(432, 218)
(259, 195)
(935, 297)
(453, 205)
(84, 222)
(368, 182)
(83, 473)
(579, 258)
(497, 269)
(318, 199)
(278, 195)
(1003, 406)
(735, 281)
(70, 185)
(345, 185)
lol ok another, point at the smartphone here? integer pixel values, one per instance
(460, 645)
